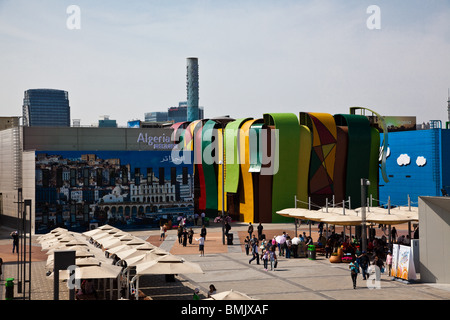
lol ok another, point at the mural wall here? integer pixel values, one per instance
(123, 188)
(269, 162)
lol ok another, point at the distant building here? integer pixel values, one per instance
(9, 122)
(105, 122)
(180, 113)
(156, 116)
(46, 108)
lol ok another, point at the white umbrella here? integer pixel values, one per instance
(87, 261)
(167, 264)
(90, 233)
(230, 295)
(106, 227)
(70, 248)
(125, 253)
(146, 256)
(76, 242)
(146, 246)
(342, 220)
(387, 218)
(413, 213)
(102, 271)
(101, 238)
(111, 243)
(122, 247)
(135, 242)
(298, 213)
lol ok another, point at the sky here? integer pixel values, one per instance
(255, 56)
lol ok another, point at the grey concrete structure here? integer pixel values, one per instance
(18, 145)
(434, 218)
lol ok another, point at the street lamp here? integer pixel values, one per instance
(223, 121)
(221, 162)
(364, 183)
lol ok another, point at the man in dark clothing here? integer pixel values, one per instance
(250, 230)
(15, 236)
(203, 232)
(254, 243)
(364, 263)
(260, 231)
(227, 228)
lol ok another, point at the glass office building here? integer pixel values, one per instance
(179, 114)
(46, 107)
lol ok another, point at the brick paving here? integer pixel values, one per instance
(227, 267)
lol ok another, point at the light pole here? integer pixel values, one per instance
(223, 121)
(364, 183)
(221, 162)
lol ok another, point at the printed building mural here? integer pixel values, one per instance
(122, 188)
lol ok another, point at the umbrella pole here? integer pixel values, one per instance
(389, 212)
(295, 220)
(409, 223)
(309, 208)
(128, 283)
(111, 288)
(119, 286)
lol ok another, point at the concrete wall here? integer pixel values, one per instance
(10, 175)
(28, 182)
(96, 139)
(19, 144)
(434, 237)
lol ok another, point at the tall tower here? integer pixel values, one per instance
(192, 89)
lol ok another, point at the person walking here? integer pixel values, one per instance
(260, 231)
(272, 258)
(190, 235)
(354, 269)
(203, 215)
(247, 245)
(254, 251)
(227, 228)
(389, 262)
(265, 258)
(394, 234)
(162, 229)
(203, 232)
(180, 234)
(201, 245)
(364, 261)
(185, 236)
(15, 237)
(250, 229)
(288, 247)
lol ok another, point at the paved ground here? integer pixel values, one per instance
(227, 267)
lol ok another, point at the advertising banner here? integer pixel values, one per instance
(122, 188)
(404, 265)
(394, 260)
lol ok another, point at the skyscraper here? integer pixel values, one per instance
(46, 108)
(192, 89)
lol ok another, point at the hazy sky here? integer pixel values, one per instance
(259, 56)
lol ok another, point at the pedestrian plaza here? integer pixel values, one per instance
(227, 267)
